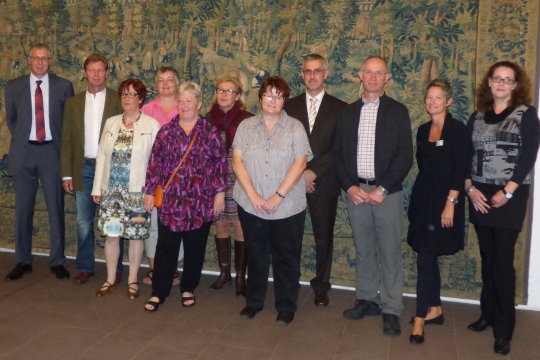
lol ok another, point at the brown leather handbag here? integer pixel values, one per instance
(160, 191)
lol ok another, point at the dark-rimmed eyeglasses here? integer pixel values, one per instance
(220, 91)
(129, 94)
(498, 79)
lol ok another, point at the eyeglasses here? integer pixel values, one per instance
(226, 91)
(40, 58)
(270, 97)
(371, 72)
(311, 72)
(506, 81)
(129, 95)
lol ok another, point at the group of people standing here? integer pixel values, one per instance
(256, 175)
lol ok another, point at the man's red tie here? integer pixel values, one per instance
(40, 114)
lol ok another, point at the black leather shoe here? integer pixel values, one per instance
(321, 298)
(18, 271)
(248, 313)
(479, 325)
(284, 318)
(439, 320)
(60, 272)
(416, 339)
(362, 308)
(501, 346)
(391, 325)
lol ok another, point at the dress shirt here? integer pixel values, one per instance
(366, 139)
(268, 157)
(45, 91)
(93, 115)
(154, 110)
(319, 98)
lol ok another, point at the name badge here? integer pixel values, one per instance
(439, 143)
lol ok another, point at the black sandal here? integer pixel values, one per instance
(188, 298)
(155, 304)
(149, 276)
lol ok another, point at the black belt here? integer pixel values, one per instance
(367, 182)
(92, 160)
(35, 142)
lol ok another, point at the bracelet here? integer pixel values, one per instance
(280, 195)
(469, 189)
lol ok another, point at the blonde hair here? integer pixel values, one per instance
(237, 85)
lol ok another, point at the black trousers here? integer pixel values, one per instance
(278, 241)
(499, 279)
(322, 210)
(428, 283)
(166, 259)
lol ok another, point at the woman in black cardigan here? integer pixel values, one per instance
(436, 209)
(505, 135)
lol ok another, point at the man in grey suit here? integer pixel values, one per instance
(373, 154)
(34, 110)
(318, 111)
(84, 117)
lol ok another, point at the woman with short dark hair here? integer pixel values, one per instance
(270, 153)
(121, 161)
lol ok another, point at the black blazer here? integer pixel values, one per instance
(393, 145)
(321, 138)
(19, 115)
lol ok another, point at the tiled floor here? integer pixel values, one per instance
(45, 318)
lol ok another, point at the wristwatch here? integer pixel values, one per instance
(453, 200)
(382, 190)
(507, 194)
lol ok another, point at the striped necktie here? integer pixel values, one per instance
(40, 114)
(312, 114)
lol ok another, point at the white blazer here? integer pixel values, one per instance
(144, 134)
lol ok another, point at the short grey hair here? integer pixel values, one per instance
(192, 88)
(315, 56)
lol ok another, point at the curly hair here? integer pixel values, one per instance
(520, 95)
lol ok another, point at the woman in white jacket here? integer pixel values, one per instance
(121, 162)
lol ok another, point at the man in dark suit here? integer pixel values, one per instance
(318, 111)
(373, 154)
(34, 110)
(84, 117)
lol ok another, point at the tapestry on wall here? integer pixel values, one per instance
(253, 39)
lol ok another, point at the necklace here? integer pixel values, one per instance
(131, 123)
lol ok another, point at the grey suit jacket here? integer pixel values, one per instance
(19, 115)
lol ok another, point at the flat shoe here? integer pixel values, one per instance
(416, 339)
(104, 289)
(439, 320)
(186, 299)
(155, 304)
(479, 325)
(133, 292)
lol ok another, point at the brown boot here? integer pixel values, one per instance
(223, 247)
(240, 264)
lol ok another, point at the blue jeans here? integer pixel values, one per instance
(86, 210)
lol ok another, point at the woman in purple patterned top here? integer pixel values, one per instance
(195, 197)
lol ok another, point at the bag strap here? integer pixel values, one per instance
(180, 163)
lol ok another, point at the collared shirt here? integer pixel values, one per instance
(319, 98)
(268, 157)
(93, 114)
(45, 91)
(189, 201)
(154, 110)
(366, 139)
